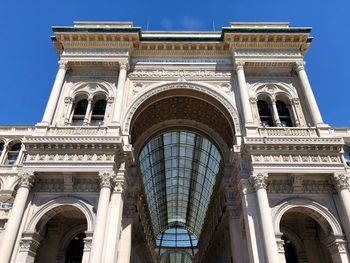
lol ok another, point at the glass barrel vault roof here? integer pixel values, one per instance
(179, 169)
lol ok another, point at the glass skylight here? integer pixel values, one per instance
(179, 169)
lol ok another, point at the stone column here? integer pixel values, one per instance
(250, 216)
(235, 235)
(243, 92)
(25, 183)
(87, 246)
(101, 217)
(114, 219)
(55, 93)
(69, 102)
(88, 112)
(118, 106)
(338, 249)
(342, 184)
(269, 240)
(276, 116)
(308, 94)
(295, 114)
(125, 242)
(3, 153)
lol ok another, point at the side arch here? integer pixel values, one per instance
(219, 96)
(315, 210)
(52, 207)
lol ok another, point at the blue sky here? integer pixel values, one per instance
(29, 62)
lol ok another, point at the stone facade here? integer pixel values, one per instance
(282, 193)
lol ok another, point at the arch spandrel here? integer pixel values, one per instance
(216, 95)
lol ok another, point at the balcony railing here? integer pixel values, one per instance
(78, 130)
(287, 131)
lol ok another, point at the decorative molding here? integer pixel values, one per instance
(175, 74)
(341, 181)
(259, 180)
(106, 178)
(296, 158)
(26, 179)
(70, 157)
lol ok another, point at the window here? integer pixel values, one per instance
(98, 112)
(12, 154)
(347, 155)
(284, 114)
(265, 113)
(79, 112)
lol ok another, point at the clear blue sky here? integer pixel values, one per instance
(29, 62)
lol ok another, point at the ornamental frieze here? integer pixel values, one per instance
(194, 74)
(102, 157)
(296, 158)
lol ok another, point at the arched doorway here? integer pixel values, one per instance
(62, 231)
(309, 236)
(182, 139)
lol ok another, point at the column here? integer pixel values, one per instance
(342, 184)
(29, 244)
(25, 183)
(69, 102)
(294, 110)
(4, 151)
(55, 93)
(276, 116)
(101, 217)
(114, 219)
(243, 92)
(269, 240)
(308, 94)
(125, 242)
(250, 216)
(88, 112)
(235, 235)
(123, 67)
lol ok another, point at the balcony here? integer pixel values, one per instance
(287, 132)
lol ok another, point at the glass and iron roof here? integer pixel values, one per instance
(179, 169)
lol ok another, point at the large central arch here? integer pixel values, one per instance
(182, 134)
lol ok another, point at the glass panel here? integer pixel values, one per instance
(283, 113)
(347, 155)
(265, 113)
(179, 169)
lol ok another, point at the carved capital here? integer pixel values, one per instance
(299, 66)
(26, 179)
(245, 186)
(110, 100)
(341, 180)
(119, 184)
(68, 100)
(106, 178)
(239, 65)
(63, 64)
(258, 181)
(124, 64)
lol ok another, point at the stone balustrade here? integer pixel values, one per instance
(78, 130)
(287, 131)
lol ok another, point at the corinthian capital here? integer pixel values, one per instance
(106, 178)
(26, 179)
(258, 180)
(63, 64)
(341, 180)
(124, 64)
(239, 65)
(299, 66)
(119, 184)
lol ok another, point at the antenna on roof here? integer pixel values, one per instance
(213, 26)
(147, 25)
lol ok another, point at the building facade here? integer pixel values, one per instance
(177, 147)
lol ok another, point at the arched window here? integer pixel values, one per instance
(284, 114)
(1, 147)
(98, 112)
(79, 112)
(290, 252)
(12, 154)
(347, 155)
(265, 113)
